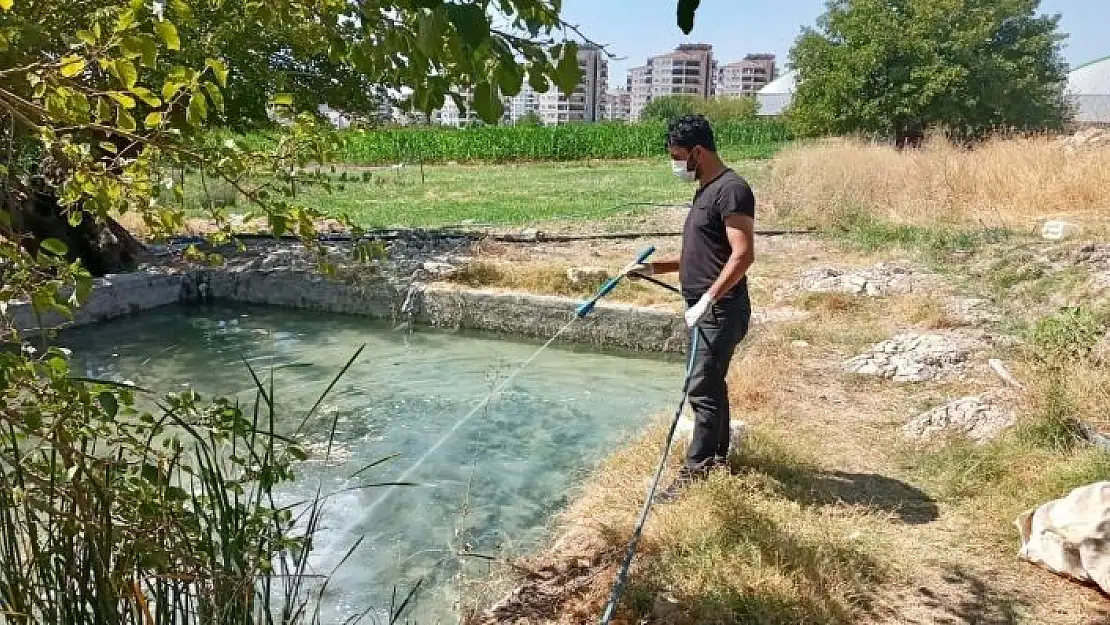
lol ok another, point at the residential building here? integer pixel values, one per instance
(587, 102)
(689, 70)
(618, 105)
(527, 101)
(639, 90)
(746, 77)
(450, 115)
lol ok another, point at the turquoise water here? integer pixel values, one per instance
(489, 489)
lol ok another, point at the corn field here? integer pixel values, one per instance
(753, 139)
(540, 143)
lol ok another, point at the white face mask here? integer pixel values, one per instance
(680, 170)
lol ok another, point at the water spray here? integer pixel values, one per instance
(581, 312)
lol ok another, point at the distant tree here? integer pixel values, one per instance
(531, 118)
(896, 68)
(667, 107)
(725, 109)
(719, 109)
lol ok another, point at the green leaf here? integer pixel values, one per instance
(686, 11)
(6, 5)
(108, 403)
(471, 23)
(128, 76)
(74, 218)
(170, 89)
(215, 96)
(141, 46)
(182, 9)
(146, 96)
(219, 69)
(86, 37)
(55, 247)
(429, 34)
(108, 147)
(198, 109)
(124, 120)
(153, 120)
(72, 65)
(168, 32)
(283, 99)
(486, 102)
(537, 78)
(510, 77)
(567, 73)
(104, 110)
(123, 99)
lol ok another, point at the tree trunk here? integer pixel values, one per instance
(102, 246)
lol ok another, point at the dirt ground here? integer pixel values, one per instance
(788, 384)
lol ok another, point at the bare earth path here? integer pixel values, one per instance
(790, 387)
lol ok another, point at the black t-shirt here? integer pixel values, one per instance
(705, 246)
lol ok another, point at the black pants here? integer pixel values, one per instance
(720, 331)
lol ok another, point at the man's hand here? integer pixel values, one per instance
(698, 311)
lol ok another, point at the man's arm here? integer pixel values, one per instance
(740, 230)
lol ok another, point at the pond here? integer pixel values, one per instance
(488, 486)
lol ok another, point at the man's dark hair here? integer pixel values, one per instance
(690, 131)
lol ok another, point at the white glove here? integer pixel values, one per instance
(635, 269)
(698, 311)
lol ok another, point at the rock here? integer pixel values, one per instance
(979, 418)
(972, 310)
(1088, 138)
(592, 276)
(1058, 230)
(1071, 536)
(913, 357)
(438, 270)
(876, 281)
(738, 431)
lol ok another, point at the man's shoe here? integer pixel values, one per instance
(681, 482)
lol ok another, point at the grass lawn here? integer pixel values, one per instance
(505, 194)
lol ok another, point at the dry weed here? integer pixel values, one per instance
(552, 279)
(1002, 183)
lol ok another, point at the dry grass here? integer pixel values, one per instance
(769, 544)
(1004, 183)
(553, 279)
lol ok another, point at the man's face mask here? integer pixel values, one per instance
(684, 168)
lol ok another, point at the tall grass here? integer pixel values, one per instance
(755, 139)
(1011, 183)
(112, 516)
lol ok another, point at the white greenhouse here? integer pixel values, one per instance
(776, 95)
(1089, 87)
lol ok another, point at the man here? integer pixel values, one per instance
(717, 251)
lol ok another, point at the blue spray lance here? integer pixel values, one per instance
(587, 307)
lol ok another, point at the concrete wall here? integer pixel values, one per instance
(443, 306)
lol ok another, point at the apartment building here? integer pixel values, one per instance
(618, 105)
(747, 76)
(639, 90)
(587, 102)
(689, 70)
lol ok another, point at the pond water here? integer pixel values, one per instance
(489, 488)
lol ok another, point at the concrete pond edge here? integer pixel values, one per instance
(438, 305)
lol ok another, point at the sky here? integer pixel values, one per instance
(636, 29)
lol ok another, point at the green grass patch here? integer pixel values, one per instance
(870, 233)
(501, 194)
